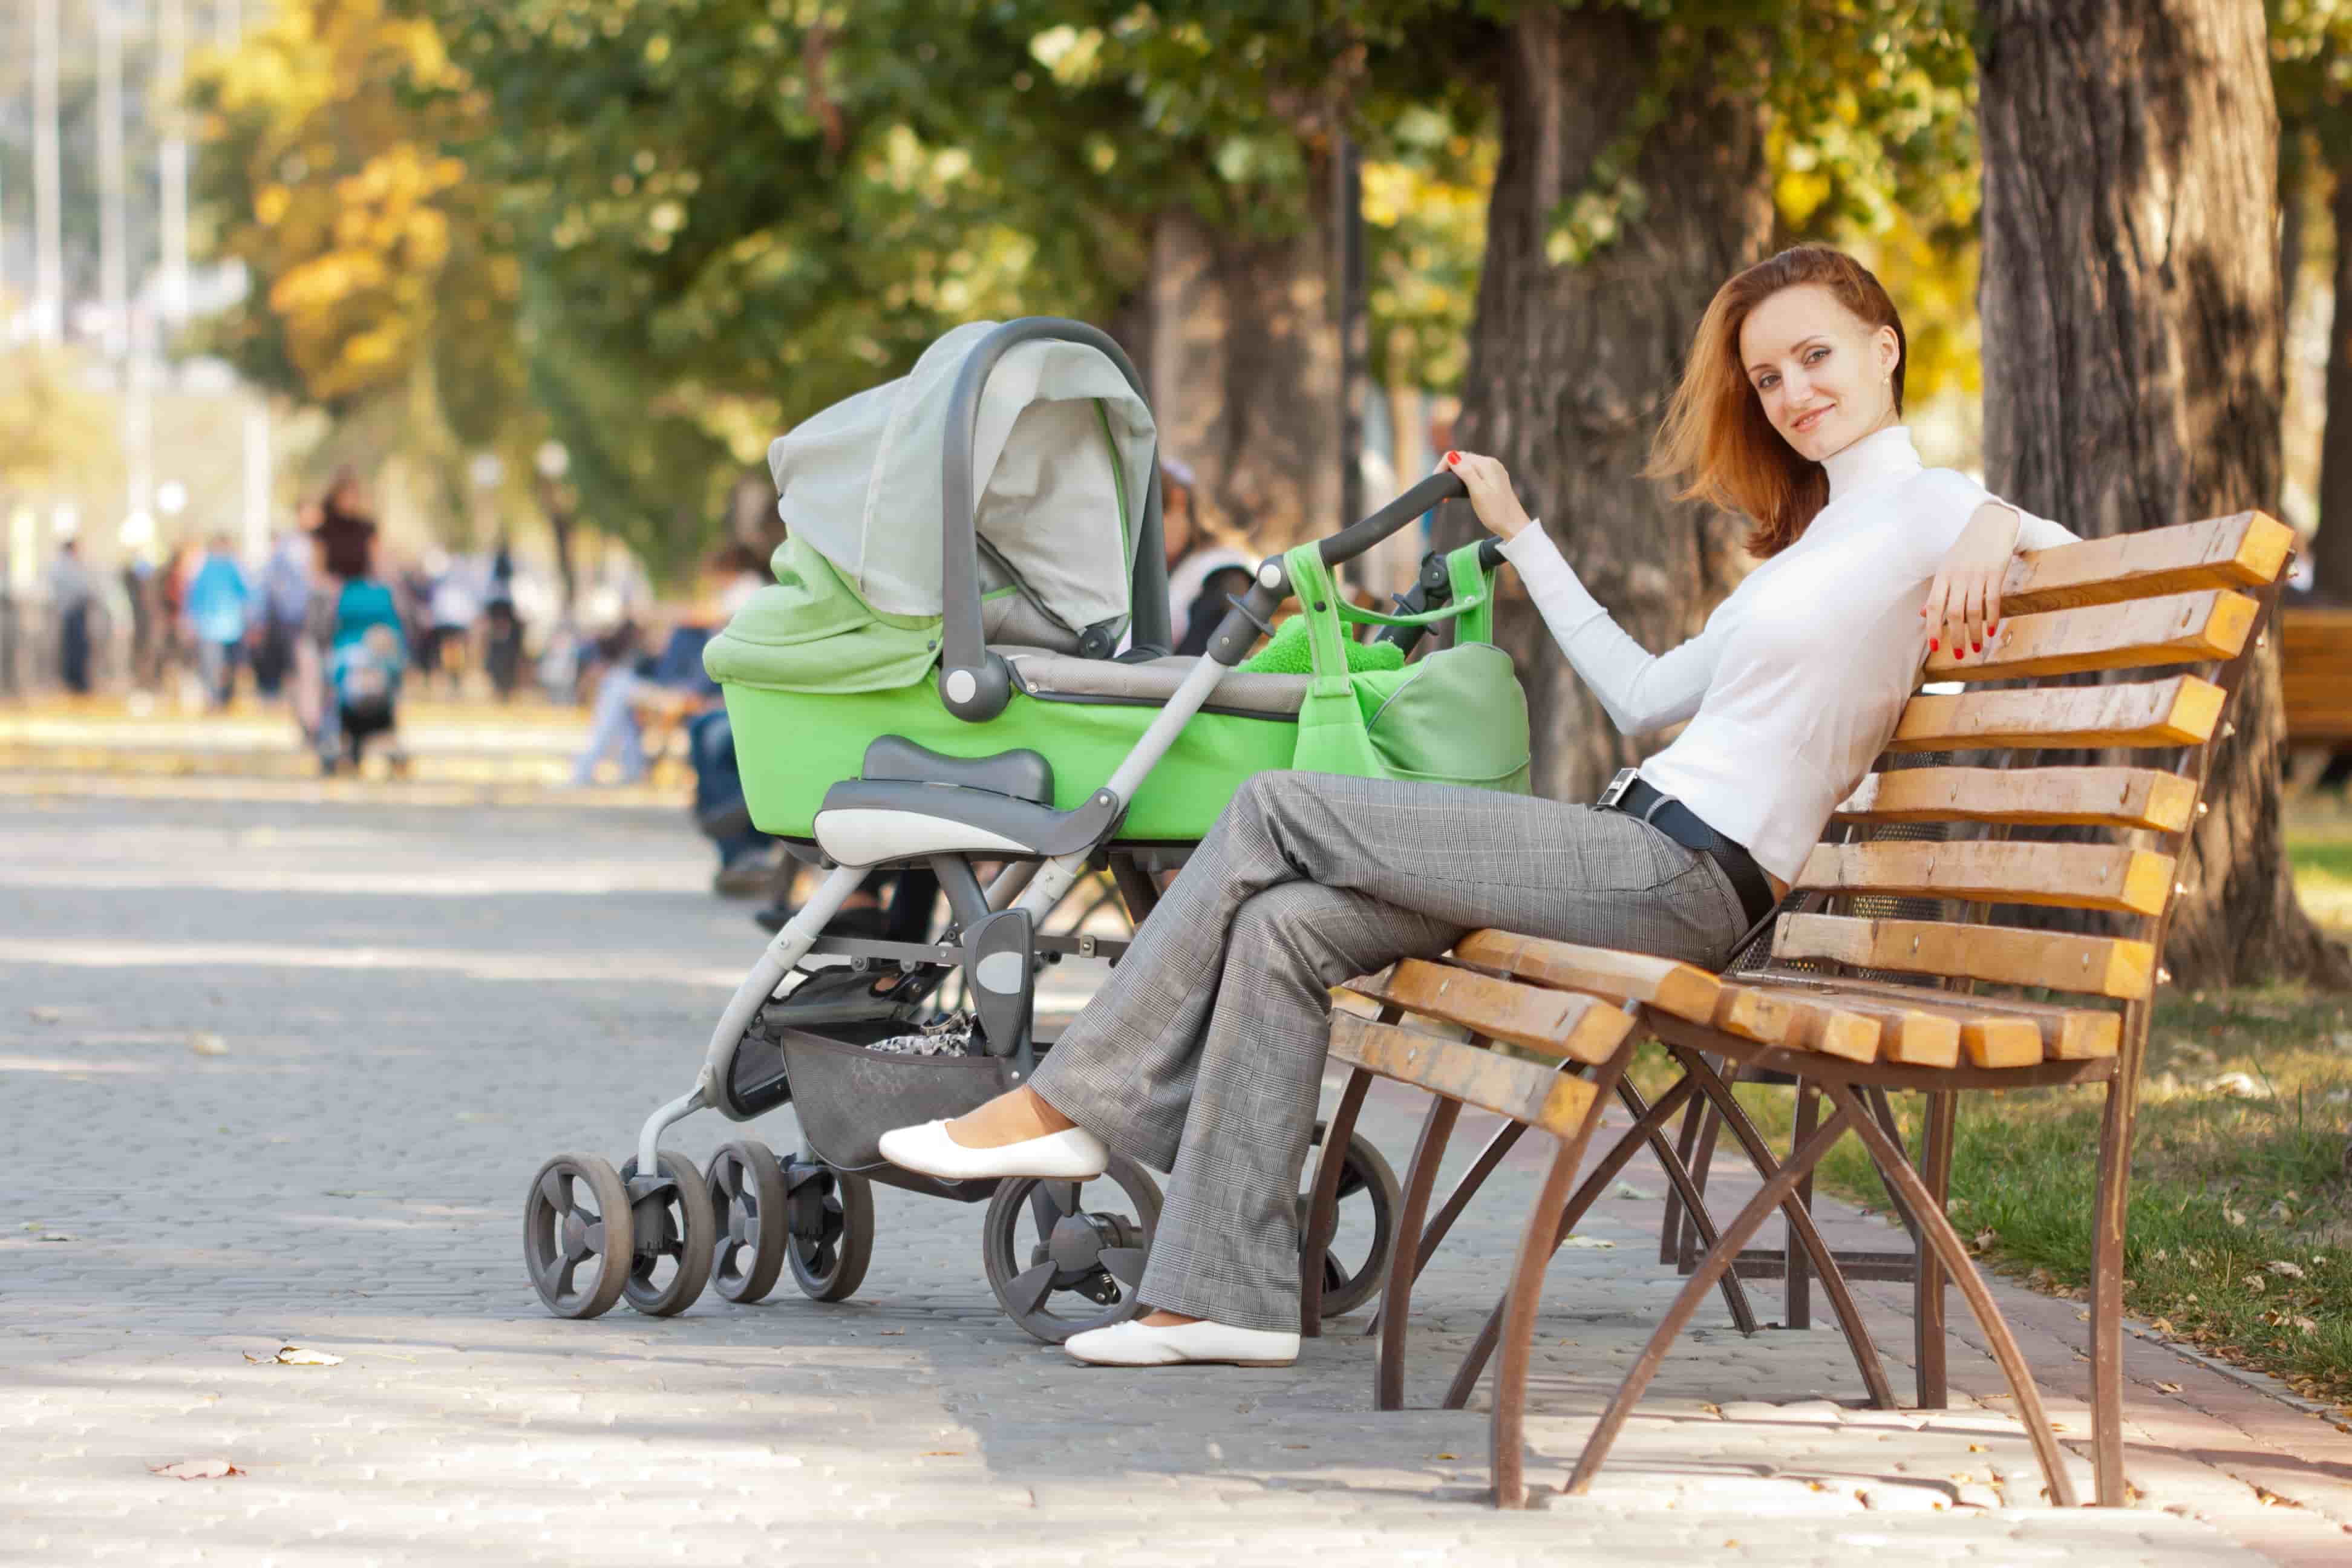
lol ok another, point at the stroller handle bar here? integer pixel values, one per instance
(1251, 615)
(974, 683)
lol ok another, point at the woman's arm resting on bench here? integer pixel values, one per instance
(1973, 534)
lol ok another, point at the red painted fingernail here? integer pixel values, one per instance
(1933, 644)
(1453, 456)
(1980, 648)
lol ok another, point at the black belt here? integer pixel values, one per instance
(1630, 794)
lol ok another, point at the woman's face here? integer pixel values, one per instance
(1823, 373)
(1175, 520)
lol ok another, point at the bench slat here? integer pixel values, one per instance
(2181, 629)
(1775, 1018)
(2100, 966)
(2065, 875)
(2245, 550)
(2178, 711)
(1682, 989)
(2067, 1034)
(1913, 1032)
(1523, 1091)
(2106, 797)
(1558, 1022)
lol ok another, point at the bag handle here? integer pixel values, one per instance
(1474, 592)
(1312, 582)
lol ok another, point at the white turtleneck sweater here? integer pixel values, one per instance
(1797, 681)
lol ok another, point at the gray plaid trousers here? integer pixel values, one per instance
(1203, 1053)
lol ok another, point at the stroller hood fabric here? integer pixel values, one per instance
(1061, 464)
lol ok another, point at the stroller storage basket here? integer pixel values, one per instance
(849, 1097)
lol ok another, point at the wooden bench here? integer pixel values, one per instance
(2182, 606)
(2315, 670)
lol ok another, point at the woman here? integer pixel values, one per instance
(1204, 1052)
(1205, 563)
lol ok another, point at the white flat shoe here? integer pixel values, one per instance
(1073, 1154)
(1203, 1343)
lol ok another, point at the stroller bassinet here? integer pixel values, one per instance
(1062, 561)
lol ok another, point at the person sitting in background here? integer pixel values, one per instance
(1205, 562)
(216, 609)
(673, 687)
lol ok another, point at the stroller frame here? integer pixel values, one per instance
(943, 813)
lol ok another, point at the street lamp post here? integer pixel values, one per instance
(553, 460)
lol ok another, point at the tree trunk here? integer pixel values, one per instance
(1244, 374)
(1570, 366)
(2130, 305)
(2332, 556)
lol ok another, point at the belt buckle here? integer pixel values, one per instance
(1615, 793)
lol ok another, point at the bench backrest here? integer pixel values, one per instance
(2026, 821)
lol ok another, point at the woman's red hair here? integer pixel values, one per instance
(1716, 440)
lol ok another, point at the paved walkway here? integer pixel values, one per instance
(278, 1073)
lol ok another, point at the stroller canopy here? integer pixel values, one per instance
(1061, 464)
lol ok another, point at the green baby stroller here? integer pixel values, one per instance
(962, 664)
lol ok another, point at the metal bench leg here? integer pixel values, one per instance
(1927, 1304)
(1895, 1167)
(1685, 1190)
(1465, 1376)
(1776, 1193)
(1396, 1297)
(2106, 1293)
(1710, 1128)
(1824, 1262)
(1323, 1208)
(1797, 1304)
(1507, 1425)
(1670, 1230)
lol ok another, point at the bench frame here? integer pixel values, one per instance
(1856, 1093)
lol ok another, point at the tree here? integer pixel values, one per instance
(2131, 304)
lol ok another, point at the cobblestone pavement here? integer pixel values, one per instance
(279, 1074)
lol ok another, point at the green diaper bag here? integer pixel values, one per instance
(1456, 716)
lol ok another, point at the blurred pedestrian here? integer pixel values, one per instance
(285, 602)
(452, 606)
(343, 555)
(502, 633)
(72, 590)
(216, 605)
(1205, 562)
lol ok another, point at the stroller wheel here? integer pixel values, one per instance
(830, 1234)
(577, 1235)
(746, 1195)
(1066, 1256)
(675, 1236)
(1368, 1196)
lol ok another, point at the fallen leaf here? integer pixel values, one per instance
(2254, 1283)
(2280, 1265)
(1591, 1241)
(2306, 1324)
(205, 1043)
(941, 1453)
(1984, 1239)
(197, 1469)
(1445, 1455)
(1628, 1190)
(2232, 1215)
(45, 1014)
(56, 1236)
(295, 1355)
(2168, 1388)
(888, 1332)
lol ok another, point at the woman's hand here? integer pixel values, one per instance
(1490, 493)
(1963, 605)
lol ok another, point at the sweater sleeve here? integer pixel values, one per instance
(1641, 690)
